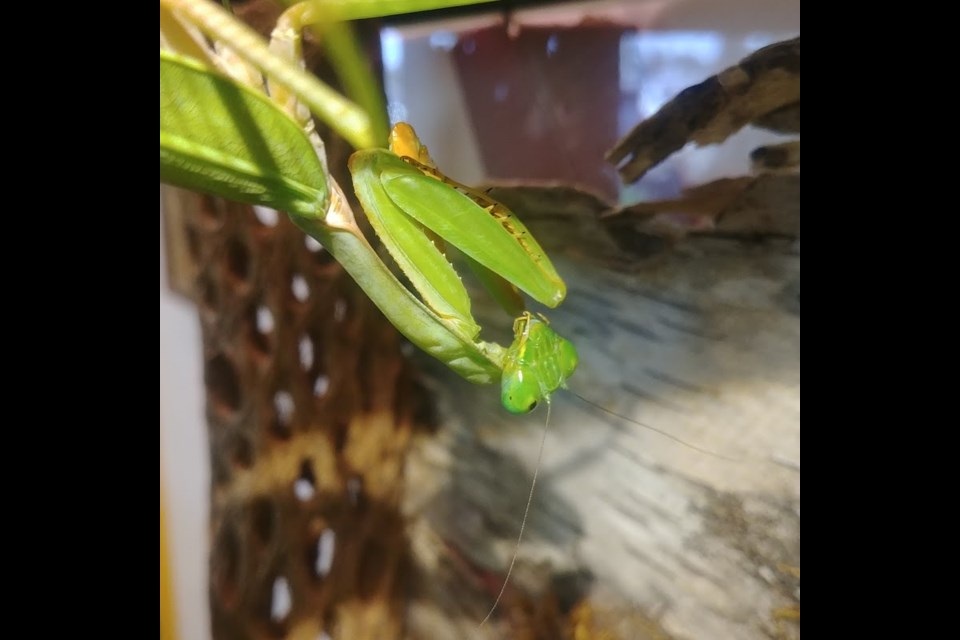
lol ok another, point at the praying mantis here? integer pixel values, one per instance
(398, 191)
(207, 123)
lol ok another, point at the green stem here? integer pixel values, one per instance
(361, 9)
(340, 43)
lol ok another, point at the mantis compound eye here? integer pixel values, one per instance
(516, 405)
(527, 407)
(519, 394)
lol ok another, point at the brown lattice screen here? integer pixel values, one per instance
(309, 415)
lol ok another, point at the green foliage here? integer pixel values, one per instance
(219, 137)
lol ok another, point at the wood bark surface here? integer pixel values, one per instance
(631, 535)
(763, 89)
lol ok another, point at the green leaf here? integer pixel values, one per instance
(219, 137)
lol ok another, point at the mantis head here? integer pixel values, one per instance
(537, 363)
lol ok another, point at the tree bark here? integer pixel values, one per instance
(630, 533)
(686, 316)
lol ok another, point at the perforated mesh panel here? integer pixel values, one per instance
(308, 402)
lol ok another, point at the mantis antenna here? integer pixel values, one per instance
(536, 471)
(523, 523)
(656, 430)
(537, 364)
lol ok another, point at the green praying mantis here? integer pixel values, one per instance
(403, 193)
(251, 141)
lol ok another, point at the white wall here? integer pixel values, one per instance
(184, 457)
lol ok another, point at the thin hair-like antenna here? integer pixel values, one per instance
(523, 523)
(655, 430)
